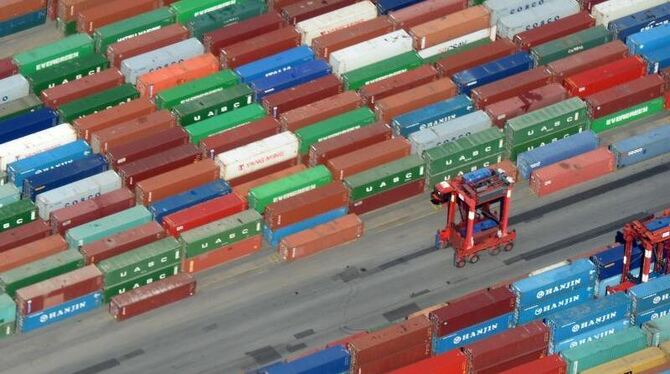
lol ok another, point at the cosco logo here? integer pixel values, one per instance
(521, 8)
(543, 22)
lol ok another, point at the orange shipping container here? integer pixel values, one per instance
(86, 126)
(150, 84)
(406, 101)
(222, 255)
(450, 27)
(107, 12)
(336, 232)
(176, 181)
(368, 157)
(32, 251)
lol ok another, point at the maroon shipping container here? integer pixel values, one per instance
(144, 147)
(69, 9)
(14, 8)
(264, 45)
(239, 136)
(203, 213)
(222, 255)
(90, 210)
(24, 234)
(586, 60)
(508, 349)
(79, 88)
(398, 360)
(124, 132)
(262, 172)
(571, 172)
(122, 242)
(152, 296)
(605, 76)
(109, 12)
(665, 73)
(388, 198)
(624, 95)
(368, 157)
(279, 4)
(57, 290)
(176, 181)
(320, 110)
(321, 152)
(425, 11)
(91, 123)
(305, 205)
(554, 30)
(504, 110)
(451, 65)
(243, 190)
(52, 9)
(510, 87)
(7, 67)
(324, 45)
(553, 364)
(302, 95)
(306, 243)
(150, 41)
(244, 30)
(397, 83)
(32, 251)
(415, 98)
(306, 9)
(135, 171)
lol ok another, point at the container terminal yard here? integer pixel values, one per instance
(388, 186)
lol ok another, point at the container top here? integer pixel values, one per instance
(583, 141)
(613, 254)
(383, 171)
(650, 288)
(140, 254)
(49, 285)
(312, 362)
(318, 172)
(570, 315)
(538, 116)
(227, 223)
(549, 277)
(604, 344)
(637, 142)
(41, 266)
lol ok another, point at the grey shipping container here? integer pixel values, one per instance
(13, 88)
(147, 62)
(548, 12)
(502, 8)
(642, 147)
(449, 131)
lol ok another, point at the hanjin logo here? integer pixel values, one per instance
(457, 340)
(540, 294)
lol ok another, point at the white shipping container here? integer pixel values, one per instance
(258, 155)
(458, 42)
(606, 12)
(13, 88)
(511, 25)
(502, 8)
(335, 20)
(431, 137)
(35, 143)
(76, 192)
(147, 62)
(371, 51)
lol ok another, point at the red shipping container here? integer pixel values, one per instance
(397, 83)
(150, 84)
(132, 47)
(235, 33)
(509, 168)
(90, 210)
(573, 171)
(203, 213)
(345, 341)
(392, 106)
(122, 242)
(624, 96)
(278, 4)
(69, 9)
(553, 364)
(388, 198)
(33, 251)
(321, 152)
(667, 100)
(320, 110)
(7, 67)
(24, 234)
(510, 87)
(152, 296)
(262, 172)
(14, 8)
(326, 44)
(603, 77)
(222, 255)
(104, 13)
(133, 172)
(554, 30)
(586, 60)
(320, 238)
(242, 191)
(451, 65)
(305, 205)
(302, 95)
(146, 146)
(368, 157)
(57, 290)
(52, 9)
(400, 359)
(264, 45)
(239, 136)
(424, 11)
(176, 181)
(665, 73)
(452, 362)
(504, 110)
(85, 126)
(306, 9)
(125, 132)
(79, 88)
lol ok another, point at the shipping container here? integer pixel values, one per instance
(552, 364)
(262, 196)
(203, 213)
(449, 174)
(357, 55)
(33, 251)
(37, 271)
(35, 143)
(657, 330)
(222, 37)
(143, 147)
(186, 10)
(301, 95)
(306, 9)
(642, 147)
(563, 27)
(649, 295)
(510, 87)
(140, 261)
(453, 362)
(300, 74)
(145, 43)
(63, 311)
(355, 79)
(222, 255)
(611, 347)
(97, 102)
(66, 72)
(321, 152)
(554, 283)
(127, 131)
(464, 150)
(257, 47)
(86, 85)
(23, 22)
(606, 76)
(224, 122)
(17, 214)
(423, 12)
(91, 19)
(238, 137)
(586, 60)
(657, 59)
(326, 44)
(450, 27)
(195, 89)
(14, 88)
(503, 8)
(13, 9)
(78, 169)
(473, 333)
(122, 242)
(489, 72)
(133, 67)
(333, 126)
(219, 233)
(274, 237)
(511, 25)
(397, 83)
(242, 190)
(337, 19)
(7, 68)
(385, 177)
(106, 118)
(188, 198)
(540, 310)
(176, 181)
(624, 96)
(131, 27)
(555, 152)
(26, 124)
(156, 275)
(214, 103)
(257, 155)
(608, 11)
(24, 234)
(106, 226)
(420, 96)
(641, 21)
(435, 136)
(389, 197)
(572, 44)
(305, 205)
(150, 84)
(66, 49)
(320, 110)
(152, 296)
(641, 361)
(92, 209)
(275, 64)
(228, 15)
(532, 100)
(545, 121)
(136, 171)
(628, 115)
(457, 45)
(368, 157)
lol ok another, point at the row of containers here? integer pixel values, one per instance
(559, 319)
(141, 171)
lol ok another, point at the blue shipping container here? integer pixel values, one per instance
(9, 194)
(657, 59)
(595, 334)
(655, 38)
(26, 124)
(275, 64)
(657, 312)
(23, 22)
(300, 74)
(473, 333)
(651, 294)
(616, 279)
(333, 360)
(658, 223)
(641, 21)
(555, 282)
(554, 304)
(54, 158)
(642, 147)
(477, 175)
(385, 6)
(555, 152)
(588, 316)
(78, 169)
(432, 115)
(469, 79)
(610, 261)
(68, 309)
(7, 309)
(274, 237)
(188, 198)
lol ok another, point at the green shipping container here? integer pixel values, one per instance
(69, 48)
(196, 89)
(67, 71)
(20, 106)
(97, 102)
(17, 214)
(544, 121)
(229, 15)
(477, 164)
(464, 150)
(188, 9)
(605, 349)
(213, 104)
(385, 177)
(143, 280)
(109, 225)
(333, 126)
(358, 78)
(224, 122)
(132, 27)
(140, 261)
(40, 270)
(455, 51)
(306, 180)
(7, 309)
(66, 28)
(626, 116)
(7, 329)
(221, 232)
(657, 330)
(513, 151)
(571, 44)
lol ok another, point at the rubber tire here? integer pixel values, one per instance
(474, 259)
(495, 251)
(459, 263)
(508, 247)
